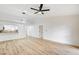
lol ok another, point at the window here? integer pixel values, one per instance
(8, 28)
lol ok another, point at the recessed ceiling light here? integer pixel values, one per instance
(23, 12)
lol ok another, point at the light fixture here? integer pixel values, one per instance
(24, 12)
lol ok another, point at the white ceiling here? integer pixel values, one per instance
(14, 11)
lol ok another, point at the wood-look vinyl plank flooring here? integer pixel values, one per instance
(35, 46)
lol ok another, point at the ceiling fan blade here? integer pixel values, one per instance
(35, 12)
(34, 9)
(46, 10)
(41, 5)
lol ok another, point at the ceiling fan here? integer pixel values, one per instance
(40, 9)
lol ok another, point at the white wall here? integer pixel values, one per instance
(33, 30)
(64, 29)
(22, 30)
